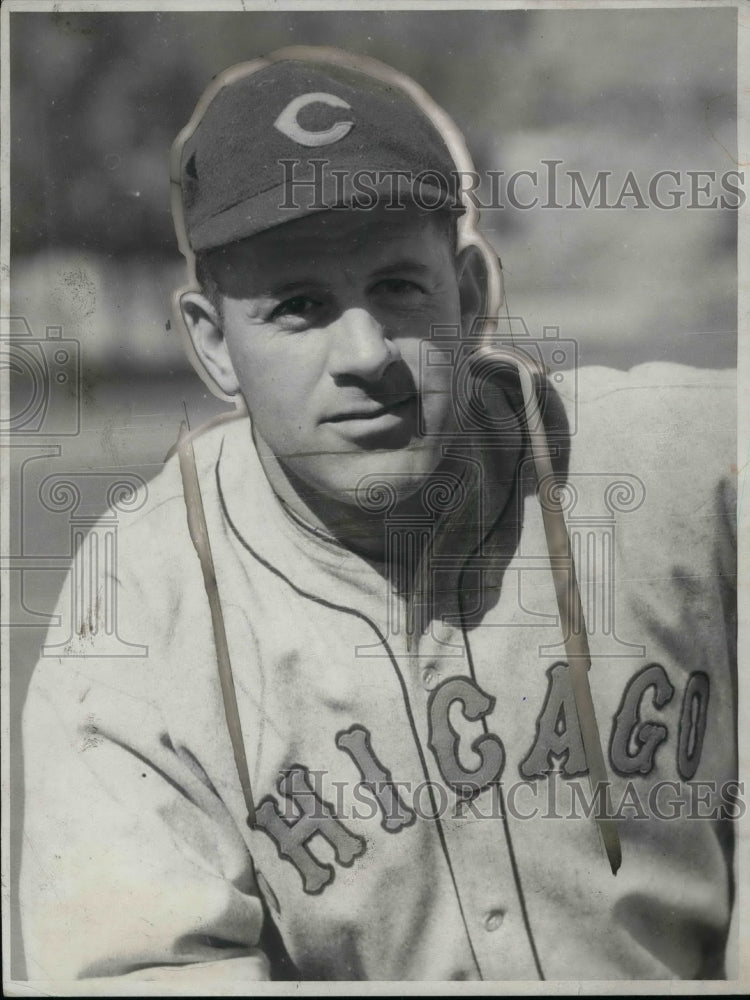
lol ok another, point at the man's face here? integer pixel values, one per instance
(321, 322)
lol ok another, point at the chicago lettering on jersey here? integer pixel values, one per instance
(638, 734)
(357, 742)
(444, 740)
(629, 729)
(316, 819)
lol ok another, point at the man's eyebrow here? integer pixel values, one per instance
(310, 283)
(401, 265)
(298, 285)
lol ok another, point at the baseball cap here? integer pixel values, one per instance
(279, 138)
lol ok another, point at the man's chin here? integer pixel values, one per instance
(375, 482)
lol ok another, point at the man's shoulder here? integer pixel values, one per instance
(156, 528)
(663, 407)
(658, 381)
(666, 430)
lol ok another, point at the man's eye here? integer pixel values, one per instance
(299, 305)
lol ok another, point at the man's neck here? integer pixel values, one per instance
(367, 534)
(347, 524)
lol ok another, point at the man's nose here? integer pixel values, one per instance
(360, 346)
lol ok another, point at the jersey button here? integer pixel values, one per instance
(430, 677)
(494, 919)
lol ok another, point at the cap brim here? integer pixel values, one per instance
(282, 204)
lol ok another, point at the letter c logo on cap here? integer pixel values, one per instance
(288, 125)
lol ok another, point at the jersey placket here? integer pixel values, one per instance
(474, 835)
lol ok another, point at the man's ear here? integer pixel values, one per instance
(204, 326)
(471, 272)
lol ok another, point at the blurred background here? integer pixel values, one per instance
(97, 100)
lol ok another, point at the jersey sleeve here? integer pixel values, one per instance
(132, 864)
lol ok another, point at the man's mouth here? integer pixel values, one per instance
(372, 410)
(371, 423)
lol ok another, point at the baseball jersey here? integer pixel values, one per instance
(418, 775)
